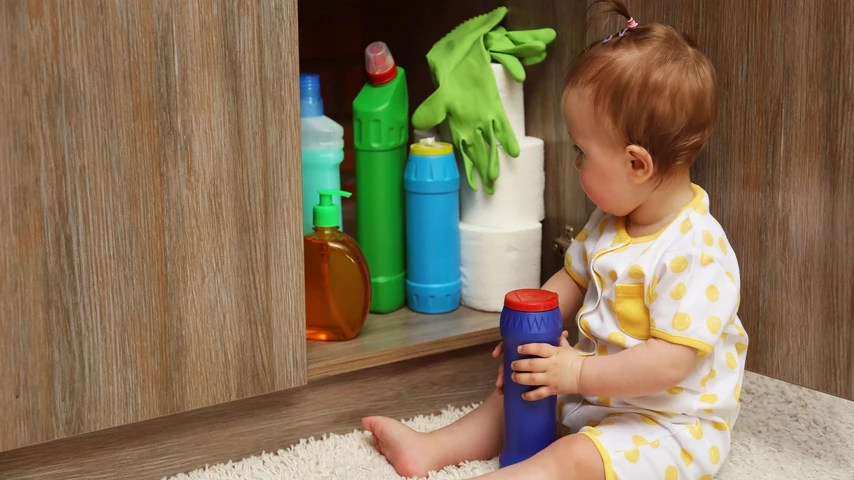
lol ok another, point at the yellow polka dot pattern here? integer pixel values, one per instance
(731, 362)
(712, 374)
(685, 227)
(722, 244)
(632, 455)
(712, 293)
(617, 338)
(681, 321)
(702, 209)
(602, 350)
(638, 440)
(737, 392)
(707, 476)
(651, 295)
(709, 398)
(713, 324)
(603, 224)
(740, 348)
(706, 259)
(612, 275)
(708, 239)
(671, 473)
(678, 291)
(604, 401)
(636, 272)
(696, 430)
(616, 241)
(582, 235)
(687, 459)
(714, 455)
(678, 264)
(648, 420)
(675, 390)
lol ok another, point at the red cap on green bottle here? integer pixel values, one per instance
(379, 63)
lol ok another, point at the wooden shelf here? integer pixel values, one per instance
(399, 336)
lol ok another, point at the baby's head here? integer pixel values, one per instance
(640, 106)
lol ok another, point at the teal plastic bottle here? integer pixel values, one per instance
(381, 134)
(322, 150)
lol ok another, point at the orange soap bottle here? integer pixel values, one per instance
(337, 279)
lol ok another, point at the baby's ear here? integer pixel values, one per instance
(640, 163)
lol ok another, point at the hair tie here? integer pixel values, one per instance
(631, 24)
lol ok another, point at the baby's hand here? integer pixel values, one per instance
(557, 371)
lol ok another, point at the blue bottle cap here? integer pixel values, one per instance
(310, 101)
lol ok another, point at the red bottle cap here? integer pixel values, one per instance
(379, 64)
(531, 300)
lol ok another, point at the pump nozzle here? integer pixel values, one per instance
(325, 212)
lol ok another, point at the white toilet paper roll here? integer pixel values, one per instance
(418, 135)
(512, 96)
(494, 261)
(518, 198)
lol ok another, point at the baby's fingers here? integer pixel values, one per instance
(499, 349)
(539, 349)
(530, 365)
(529, 378)
(537, 394)
(499, 382)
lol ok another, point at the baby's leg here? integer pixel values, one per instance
(476, 436)
(573, 457)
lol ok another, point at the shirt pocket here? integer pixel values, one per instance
(631, 310)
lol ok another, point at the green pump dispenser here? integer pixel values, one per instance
(326, 213)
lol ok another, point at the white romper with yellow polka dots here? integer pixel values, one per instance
(680, 285)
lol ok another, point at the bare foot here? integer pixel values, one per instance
(411, 453)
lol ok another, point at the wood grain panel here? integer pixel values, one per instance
(190, 440)
(151, 249)
(780, 173)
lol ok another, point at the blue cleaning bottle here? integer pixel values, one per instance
(431, 183)
(322, 150)
(529, 316)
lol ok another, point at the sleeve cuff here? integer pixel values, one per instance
(580, 281)
(679, 340)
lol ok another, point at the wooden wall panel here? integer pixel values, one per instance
(780, 173)
(150, 243)
(180, 443)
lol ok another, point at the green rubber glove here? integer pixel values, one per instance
(466, 94)
(508, 48)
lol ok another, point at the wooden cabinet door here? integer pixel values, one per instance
(150, 205)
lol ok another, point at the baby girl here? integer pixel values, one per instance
(651, 389)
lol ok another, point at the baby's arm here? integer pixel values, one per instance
(644, 369)
(570, 294)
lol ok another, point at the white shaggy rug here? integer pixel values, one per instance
(783, 432)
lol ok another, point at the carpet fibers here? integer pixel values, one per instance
(784, 432)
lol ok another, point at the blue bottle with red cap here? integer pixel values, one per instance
(529, 316)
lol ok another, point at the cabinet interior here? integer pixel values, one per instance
(332, 38)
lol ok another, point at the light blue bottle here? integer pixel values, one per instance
(322, 150)
(432, 183)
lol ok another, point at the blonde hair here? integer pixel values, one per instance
(653, 86)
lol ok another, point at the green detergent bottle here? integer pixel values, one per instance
(381, 134)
